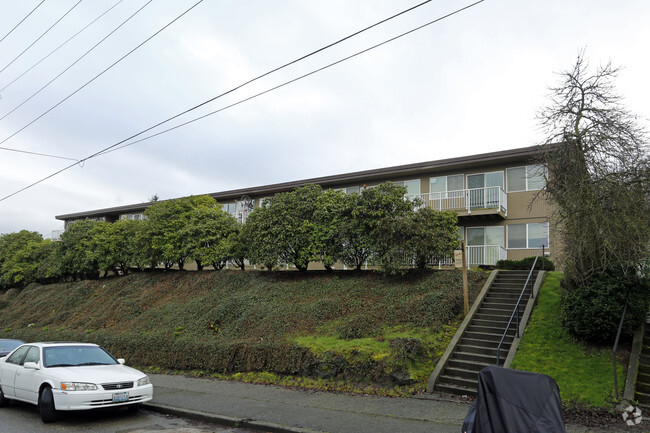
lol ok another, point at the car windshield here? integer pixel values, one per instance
(76, 356)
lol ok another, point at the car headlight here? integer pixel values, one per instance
(78, 386)
(144, 381)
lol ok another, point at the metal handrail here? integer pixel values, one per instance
(618, 335)
(516, 310)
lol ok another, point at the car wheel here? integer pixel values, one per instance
(3, 401)
(46, 405)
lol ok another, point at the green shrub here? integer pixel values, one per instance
(593, 312)
(525, 264)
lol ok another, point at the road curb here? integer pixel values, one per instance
(226, 420)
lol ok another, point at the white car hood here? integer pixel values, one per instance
(96, 373)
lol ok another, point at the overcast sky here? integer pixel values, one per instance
(468, 84)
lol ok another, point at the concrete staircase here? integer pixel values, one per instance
(475, 344)
(642, 391)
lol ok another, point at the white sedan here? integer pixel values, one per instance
(70, 376)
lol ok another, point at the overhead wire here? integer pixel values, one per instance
(41, 36)
(100, 74)
(75, 62)
(117, 146)
(60, 46)
(255, 78)
(122, 142)
(21, 21)
(37, 154)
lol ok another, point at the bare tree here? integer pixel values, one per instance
(596, 152)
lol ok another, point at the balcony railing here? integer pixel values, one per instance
(485, 254)
(492, 197)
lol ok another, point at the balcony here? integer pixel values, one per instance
(491, 200)
(485, 254)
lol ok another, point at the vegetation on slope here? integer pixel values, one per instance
(583, 372)
(353, 326)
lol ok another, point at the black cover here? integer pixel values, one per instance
(513, 401)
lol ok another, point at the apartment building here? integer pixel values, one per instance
(501, 213)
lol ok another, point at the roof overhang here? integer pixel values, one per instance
(520, 155)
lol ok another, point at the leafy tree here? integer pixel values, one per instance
(362, 221)
(257, 234)
(166, 228)
(235, 249)
(19, 258)
(78, 259)
(115, 245)
(206, 235)
(328, 217)
(434, 236)
(289, 228)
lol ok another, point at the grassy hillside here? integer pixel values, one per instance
(355, 327)
(583, 372)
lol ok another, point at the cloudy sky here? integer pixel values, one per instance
(470, 83)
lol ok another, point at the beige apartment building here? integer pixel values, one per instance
(501, 213)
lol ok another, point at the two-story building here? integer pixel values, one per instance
(502, 214)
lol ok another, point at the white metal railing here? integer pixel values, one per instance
(491, 197)
(485, 254)
(56, 235)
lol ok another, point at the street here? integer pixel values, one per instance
(24, 418)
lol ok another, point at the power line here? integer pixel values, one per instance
(121, 145)
(21, 21)
(75, 62)
(115, 146)
(57, 48)
(39, 38)
(101, 73)
(8, 149)
(241, 85)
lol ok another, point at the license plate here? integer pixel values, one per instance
(120, 397)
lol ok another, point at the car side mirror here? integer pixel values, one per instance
(31, 366)
(120, 360)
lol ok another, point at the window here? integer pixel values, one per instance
(33, 355)
(530, 177)
(412, 186)
(447, 183)
(349, 190)
(483, 189)
(133, 216)
(532, 235)
(485, 236)
(231, 208)
(18, 355)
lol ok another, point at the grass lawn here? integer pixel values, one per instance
(584, 373)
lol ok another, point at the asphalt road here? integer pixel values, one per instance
(24, 418)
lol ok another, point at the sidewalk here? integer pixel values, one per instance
(276, 409)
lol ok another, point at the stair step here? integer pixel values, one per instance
(466, 341)
(473, 366)
(471, 375)
(482, 326)
(496, 318)
(483, 358)
(642, 398)
(491, 329)
(643, 387)
(456, 390)
(495, 338)
(477, 346)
